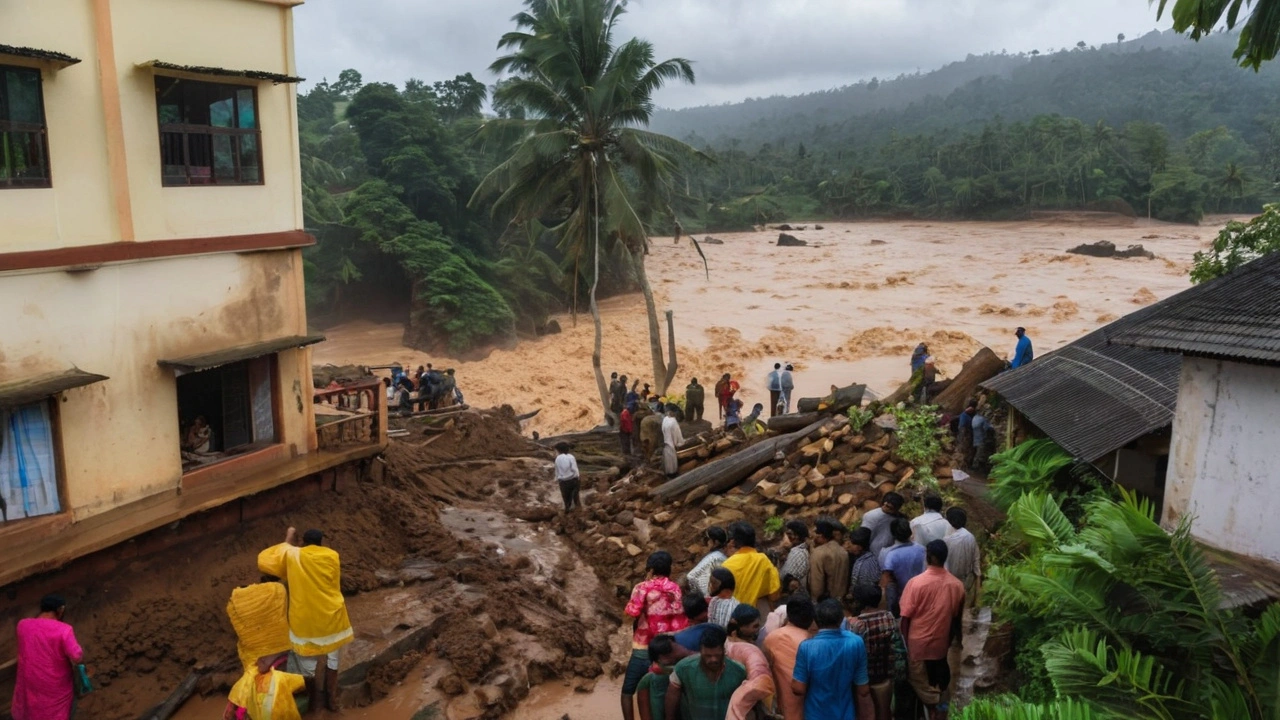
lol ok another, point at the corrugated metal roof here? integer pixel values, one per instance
(211, 360)
(37, 387)
(1091, 397)
(1235, 317)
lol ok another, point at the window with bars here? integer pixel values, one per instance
(209, 133)
(24, 148)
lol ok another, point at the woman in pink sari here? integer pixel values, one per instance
(741, 647)
(47, 652)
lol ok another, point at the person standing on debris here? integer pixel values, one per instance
(651, 695)
(1022, 354)
(615, 398)
(632, 401)
(672, 438)
(930, 525)
(900, 563)
(773, 382)
(626, 431)
(756, 576)
(318, 622)
(879, 631)
(699, 578)
(656, 604)
(984, 440)
(744, 629)
(44, 686)
(780, 648)
(917, 358)
(828, 666)
(964, 559)
(701, 685)
(964, 436)
(879, 520)
(931, 607)
(928, 376)
(733, 414)
(567, 477)
(650, 432)
(788, 385)
(795, 569)
(829, 563)
(694, 399)
(721, 390)
(865, 568)
(721, 589)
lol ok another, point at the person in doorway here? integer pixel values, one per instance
(930, 525)
(699, 578)
(722, 588)
(318, 622)
(694, 398)
(199, 436)
(657, 606)
(828, 666)
(744, 629)
(780, 648)
(773, 383)
(567, 477)
(44, 684)
(828, 564)
(788, 385)
(931, 606)
(984, 441)
(964, 559)
(672, 438)
(900, 563)
(865, 566)
(695, 611)
(879, 631)
(756, 577)
(795, 569)
(964, 435)
(702, 685)
(879, 520)
(626, 431)
(1022, 354)
(651, 695)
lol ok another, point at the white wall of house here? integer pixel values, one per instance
(1224, 465)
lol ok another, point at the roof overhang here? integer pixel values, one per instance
(216, 73)
(37, 387)
(208, 361)
(51, 58)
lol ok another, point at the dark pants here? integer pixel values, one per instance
(773, 402)
(569, 492)
(694, 412)
(637, 668)
(625, 438)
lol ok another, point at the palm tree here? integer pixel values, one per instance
(1259, 36)
(580, 154)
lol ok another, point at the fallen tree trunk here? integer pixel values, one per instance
(904, 392)
(791, 423)
(981, 367)
(166, 709)
(840, 400)
(724, 473)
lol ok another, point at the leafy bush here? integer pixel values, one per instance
(919, 436)
(859, 417)
(773, 526)
(1028, 467)
(1237, 244)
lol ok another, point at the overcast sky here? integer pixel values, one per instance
(740, 48)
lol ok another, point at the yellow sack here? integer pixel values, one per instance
(258, 614)
(318, 622)
(269, 695)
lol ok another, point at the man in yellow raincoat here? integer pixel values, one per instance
(318, 623)
(266, 693)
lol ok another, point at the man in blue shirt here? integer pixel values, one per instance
(984, 440)
(827, 665)
(1022, 353)
(900, 563)
(695, 608)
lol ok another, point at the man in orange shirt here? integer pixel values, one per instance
(780, 648)
(931, 605)
(754, 573)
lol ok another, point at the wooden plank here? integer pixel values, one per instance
(89, 255)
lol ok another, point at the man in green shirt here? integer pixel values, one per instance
(652, 692)
(701, 685)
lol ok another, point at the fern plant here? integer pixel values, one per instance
(1029, 467)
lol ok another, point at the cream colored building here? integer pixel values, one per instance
(150, 268)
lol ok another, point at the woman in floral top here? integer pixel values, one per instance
(658, 609)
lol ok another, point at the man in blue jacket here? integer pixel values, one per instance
(1022, 353)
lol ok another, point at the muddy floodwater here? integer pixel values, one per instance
(848, 308)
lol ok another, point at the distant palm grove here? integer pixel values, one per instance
(1155, 126)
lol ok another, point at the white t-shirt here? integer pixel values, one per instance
(671, 434)
(928, 527)
(566, 467)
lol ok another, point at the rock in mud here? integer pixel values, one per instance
(785, 240)
(708, 240)
(551, 328)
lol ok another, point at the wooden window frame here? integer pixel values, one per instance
(40, 130)
(186, 130)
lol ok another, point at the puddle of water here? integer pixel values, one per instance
(507, 535)
(553, 701)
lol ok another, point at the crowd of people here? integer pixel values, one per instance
(835, 624)
(425, 389)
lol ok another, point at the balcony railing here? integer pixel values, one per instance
(348, 415)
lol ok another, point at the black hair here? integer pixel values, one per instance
(659, 563)
(613, 375)
(825, 527)
(937, 550)
(724, 576)
(800, 612)
(829, 613)
(713, 637)
(743, 534)
(312, 537)
(900, 529)
(957, 517)
(695, 381)
(660, 646)
(861, 536)
(52, 603)
(743, 614)
(717, 536)
(1020, 330)
(867, 595)
(777, 366)
(933, 502)
(695, 606)
(798, 528)
(562, 448)
(894, 499)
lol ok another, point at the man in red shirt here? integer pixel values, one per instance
(658, 609)
(626, 428)
(931, 605)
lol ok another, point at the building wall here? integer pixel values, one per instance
(1222, 466)
(120, 437)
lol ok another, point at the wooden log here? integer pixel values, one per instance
(791, 423)
(981, 367)
(166, 709)
(839, 401)
(720, 475)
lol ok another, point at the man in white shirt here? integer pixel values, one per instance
(567, 477)
(672, 438)
(963, 556)
(773, 383)
(930, 525)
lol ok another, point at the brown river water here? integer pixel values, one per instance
(848, 308)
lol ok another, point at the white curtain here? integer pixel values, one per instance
(28, 475)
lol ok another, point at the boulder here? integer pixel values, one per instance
(1102, 248)
(626, 517)
(632, 550)
(785, 240)
(1135, 251)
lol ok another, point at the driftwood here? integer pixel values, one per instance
(166, 709)
(840, 400)
(528, 415)
(980, 368)
(793, 422)
(724, 473)
(438, 412)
